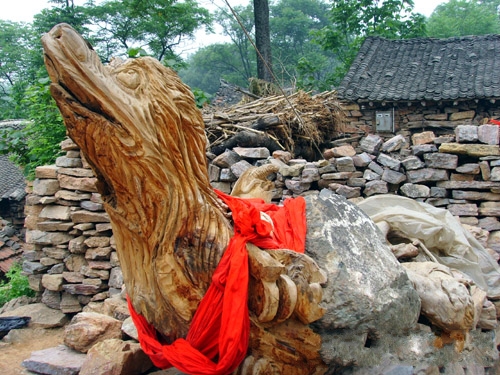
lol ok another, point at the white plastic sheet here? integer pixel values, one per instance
(441, 233)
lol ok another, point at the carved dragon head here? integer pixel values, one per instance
(139, 128)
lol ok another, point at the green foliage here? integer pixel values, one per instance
(17, 285)
(38, 142)
(464, 17)
(201, 97)
(354, 20)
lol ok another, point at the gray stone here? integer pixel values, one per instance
(348, 192)
(345, 164)
(489, 223)
(41, 315)
(65, 162)
(495, 174)
(252, 152)
(467, 209)
(51, 299)
(76, 172)
(441, 160)
(412, 162)
(437, 192)
(466, 133)
(370, 175)
(128, 328)
(55, 361)
(310, 175)
(489, 134)
(427, 174)
(38, 237)
(377, 168)
(292, 170)
(116, 278)
(371, 144)
(360, 267)
(375, 187)
(389, 161)
(423, 149)
(91, 206)
(337, 176)
(393, 177)
(240, 167)
(77, 245)
(45, 186)
(297, 186)
(226, 175)
(329, 168)
(55, 213)
(394, 144)
(415, 190)
(361, 160)
(470, 168)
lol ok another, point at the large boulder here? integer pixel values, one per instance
(368, 294)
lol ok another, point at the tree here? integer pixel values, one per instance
(154, 26)
(263, 40)
(464, 17)
(16, 66)
(297, 61)
(354, 20)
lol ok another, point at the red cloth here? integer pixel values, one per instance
(217, 340)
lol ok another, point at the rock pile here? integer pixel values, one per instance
(74, 265)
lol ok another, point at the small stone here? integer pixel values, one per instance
(284, 156)
(389, 161)
(415, 191)
(45, 187)
(423, 138)
(240, 167)
(345, 164)
(412, 163)
(441, 160)
(375, 187)
(396, 143)
(418, 150)
(393, 177)
(371, 144)
(87, 329)
(65, 162)
(59, 361)
(252, 152)
(489, 134)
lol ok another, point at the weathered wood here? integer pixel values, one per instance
(139, 129)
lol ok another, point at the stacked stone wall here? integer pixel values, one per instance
(73, 262)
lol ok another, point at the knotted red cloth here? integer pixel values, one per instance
(217, 340)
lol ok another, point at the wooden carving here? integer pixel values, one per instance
(138, 127)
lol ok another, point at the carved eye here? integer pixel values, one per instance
(129, 78)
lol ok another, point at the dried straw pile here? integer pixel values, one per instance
(299, 123)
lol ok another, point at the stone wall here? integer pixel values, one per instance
(72, 261)
(412, 117)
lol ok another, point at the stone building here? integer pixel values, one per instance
(413, 85)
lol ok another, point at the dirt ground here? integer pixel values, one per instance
(22, 343)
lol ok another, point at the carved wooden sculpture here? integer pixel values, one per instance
(139, 128)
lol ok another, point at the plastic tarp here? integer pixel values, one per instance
(441, 233)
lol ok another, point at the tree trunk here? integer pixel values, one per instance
(263, 40)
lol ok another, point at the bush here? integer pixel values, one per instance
(17, 285)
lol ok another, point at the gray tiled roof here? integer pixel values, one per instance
(11, 178)
(424, 69)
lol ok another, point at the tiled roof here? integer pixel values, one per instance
(11, 178)
(424, 69)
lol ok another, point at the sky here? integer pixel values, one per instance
(24, 10)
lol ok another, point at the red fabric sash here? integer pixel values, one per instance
(217, 340)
